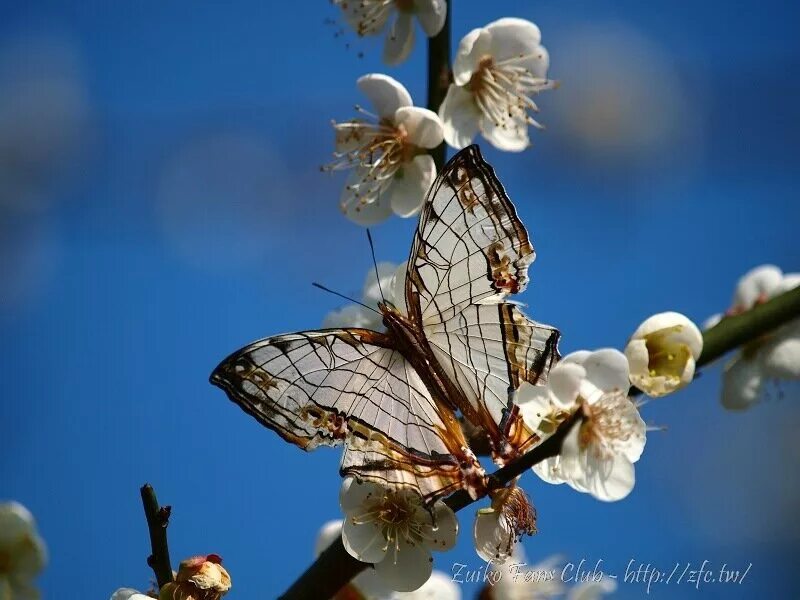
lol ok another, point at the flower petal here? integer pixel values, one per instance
(607, 369)
(406, 194)
(406, 569)
(510, 135)
(385, 94)
(128, 594)
(364, 541)
(472, 48)
(439, 586)
(494, 539)
(354, 493)
(361, 203)
(16, 523)
(534, 404)
(754, 285)
(565, 383)
(431, 15)
(741, 383)
(423, 126)
(780, 357)
(399, 40)
(511, 37)
(444, 536)
(549, 470)
(609, 479)
(328, 533)
(460, 117)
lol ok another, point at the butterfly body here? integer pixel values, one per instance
(455, 346)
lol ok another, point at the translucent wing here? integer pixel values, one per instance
(470, 252)
(348, 386)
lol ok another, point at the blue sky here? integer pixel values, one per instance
(184, 215)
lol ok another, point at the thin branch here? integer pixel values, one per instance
(335, 567)
(157, 521)
(439, 76)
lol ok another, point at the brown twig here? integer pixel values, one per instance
(157, 521)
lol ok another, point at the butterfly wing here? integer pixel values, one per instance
(470, 253)
(349, 386)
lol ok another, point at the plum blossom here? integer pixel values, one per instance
(598, 455)
(386, 153)
(368, 586)
(498, 528)
(22, 553)
(394, 530)
(388, 285)
(775, 355)
(369, 17)
(662, 353)
(198, 578)
(497, 70)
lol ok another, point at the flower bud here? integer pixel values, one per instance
(662, 353)
(198, 578)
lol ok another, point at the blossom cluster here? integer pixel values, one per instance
(497, 71)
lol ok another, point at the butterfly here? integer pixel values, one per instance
(453, 346)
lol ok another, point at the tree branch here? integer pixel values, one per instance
(439, 77)
(335, 567)
(157, 521)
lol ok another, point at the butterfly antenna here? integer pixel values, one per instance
(375, 264)
(322, 287)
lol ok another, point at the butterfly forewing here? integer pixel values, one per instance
(470, 252)
(345, 386)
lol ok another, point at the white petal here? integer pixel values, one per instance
(353, 494)
(609, 479)
(328, 533)
(399, 40)
(789, 282)
(385, 94)
(534, 404)
(686, 332)
(407, 569)
(365, 541)
(510, 136)
(410, 185)
(712, 321)
(565, 383)
(592, 590)
(16, 522)
(423, 126)
(398, 287)
(756, 284)
(492, 536)
(460, 117)
(354, 15)
(128, 594)
(431, 15)
(780, 357)
(741, 383)
(352, 315)
(439, 586)
(444, 536)
(363, 206)
(607, 369)
(511, 37)
(372, 293)
(549, 470)
(472, 48)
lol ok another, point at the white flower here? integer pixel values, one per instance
(129, 594)
(368, 17)
(522, 581)
(773, 356)
(497, 69)
(662, 353)
(597, 456)
(391, 169)
(376, 289)
(22, 553)
(498, 528)
(394, 530)
(592, 590)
